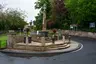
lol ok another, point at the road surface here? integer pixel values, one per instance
(85, 56)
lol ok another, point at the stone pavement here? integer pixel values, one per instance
(40, 44)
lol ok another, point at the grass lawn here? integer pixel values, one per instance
(3, 37)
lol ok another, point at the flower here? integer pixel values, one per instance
(54, 30)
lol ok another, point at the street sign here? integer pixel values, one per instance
(71, 26)
(92, 25)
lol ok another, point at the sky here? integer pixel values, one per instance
(25, 5)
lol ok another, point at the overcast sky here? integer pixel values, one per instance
(25, 5)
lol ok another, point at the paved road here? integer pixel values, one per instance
(85, 56)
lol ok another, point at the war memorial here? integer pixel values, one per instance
(44, 42)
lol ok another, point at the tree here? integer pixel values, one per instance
(16, 19)
(81, 12)
(38, 21)
(11, 19)
(61, 14)
(55, 12)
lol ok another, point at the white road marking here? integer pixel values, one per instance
(79, 49)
